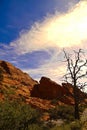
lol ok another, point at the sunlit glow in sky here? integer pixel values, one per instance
(59, 30)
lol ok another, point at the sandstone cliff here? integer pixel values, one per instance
(48, 89)
(14, 76)
(14, 82)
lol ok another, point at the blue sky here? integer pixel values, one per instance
(17, 15)
(34, 32)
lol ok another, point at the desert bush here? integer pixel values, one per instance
(82, 107)
(75, 125)
(15, 116)
(84, 119)
(63, 112)
(35, 127)
(63, 127)
(54, 101)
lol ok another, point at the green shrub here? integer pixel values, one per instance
(54, 101)
(35, 127)
(76, 125)
(82, 107)
(63, 127)
(63, 112)
(15, 116)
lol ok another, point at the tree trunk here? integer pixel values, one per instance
(76, 101)
(76, 110)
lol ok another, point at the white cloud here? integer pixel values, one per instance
(55, 31)
(71, 3)
(54, 70)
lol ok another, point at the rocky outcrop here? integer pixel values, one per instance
(39, 103)
(13, 82)
(48, 89)
(15, 77)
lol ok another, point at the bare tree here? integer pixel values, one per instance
(76, 72)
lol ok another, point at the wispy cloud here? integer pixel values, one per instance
(55, 31)
(7, 53)
(53, 68)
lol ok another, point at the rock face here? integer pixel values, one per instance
(48, 89)
(14, 76)
(13, 82)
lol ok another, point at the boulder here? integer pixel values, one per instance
(47, 89)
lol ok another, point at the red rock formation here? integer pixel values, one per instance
(47, 89)
(15, 77)
(18, 85)
(39, 103)
(14, 83)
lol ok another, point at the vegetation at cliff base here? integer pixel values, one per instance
(17, 116)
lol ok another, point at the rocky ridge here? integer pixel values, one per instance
(15, 84)
(14, 76)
